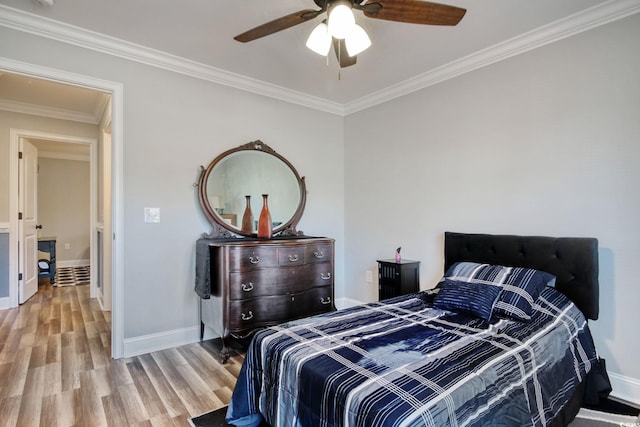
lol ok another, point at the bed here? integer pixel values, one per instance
(502, 340)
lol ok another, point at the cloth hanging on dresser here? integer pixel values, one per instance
(203, 260)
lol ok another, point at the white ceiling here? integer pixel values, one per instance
(402, 55)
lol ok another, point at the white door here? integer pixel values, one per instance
(28, 236)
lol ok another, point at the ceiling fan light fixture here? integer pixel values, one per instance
(341, 20)
(319, 40)
(357, 41)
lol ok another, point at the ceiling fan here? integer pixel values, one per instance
(352, 39)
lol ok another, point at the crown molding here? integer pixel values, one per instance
(45, 27)
(55, 113)
(593, 17)
(58, 155)
(582, 21)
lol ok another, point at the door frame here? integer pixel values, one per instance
(14, 141)
(115, 89)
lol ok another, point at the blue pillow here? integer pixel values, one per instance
(520, 286)
(476, 299)
(519, 291)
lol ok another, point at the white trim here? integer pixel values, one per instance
(13, 220)
(344, 302)
(589, 414)
(117, 103)
(160, 341)
(4, 227)
(63, 156)
(625, 388)
(5, 303)
(40, 110)
(73, 263)
(582, 21)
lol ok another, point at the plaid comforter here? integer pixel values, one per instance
(403, 363)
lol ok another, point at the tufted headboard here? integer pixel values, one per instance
(573, 260)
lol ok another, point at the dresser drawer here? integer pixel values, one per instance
(291, 256)
(251, 258)
(278, 281)
(320, 252)
(250, 314)
(315, 301)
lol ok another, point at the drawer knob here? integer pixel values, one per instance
(247, 287)
(254, 260)
(247, 316)
(325, 276)
(293, 258)
(325, 301)
(318, 254)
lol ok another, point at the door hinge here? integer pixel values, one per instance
(19, 276)
(19, 215)
(19, 154)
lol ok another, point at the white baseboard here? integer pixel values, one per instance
(625, 388)
(344, 302)
(72, 263)
(5, 303)
(160, 341)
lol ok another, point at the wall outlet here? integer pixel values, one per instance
(369, 276)
(67, 245)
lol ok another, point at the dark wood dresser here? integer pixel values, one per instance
(257, 283)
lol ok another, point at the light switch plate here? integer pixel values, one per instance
(151, 214)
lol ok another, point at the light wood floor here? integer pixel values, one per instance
(56, 370)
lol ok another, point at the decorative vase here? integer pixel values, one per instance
(265, 226)
(247, 217)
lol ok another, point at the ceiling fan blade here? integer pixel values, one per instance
(414, 12)
(278, 25)
(340, 48)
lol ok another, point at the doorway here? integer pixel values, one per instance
(115, 115)
(68, 211)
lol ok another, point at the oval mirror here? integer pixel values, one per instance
(239, 177)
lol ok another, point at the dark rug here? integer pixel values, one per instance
(217, 418)
(211, 419)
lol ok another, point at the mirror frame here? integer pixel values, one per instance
(221, 229)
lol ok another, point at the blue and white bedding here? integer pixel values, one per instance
(402, 362)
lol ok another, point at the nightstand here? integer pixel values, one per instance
(397, 278)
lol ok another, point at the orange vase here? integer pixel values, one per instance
(247, 217)
(265, 226)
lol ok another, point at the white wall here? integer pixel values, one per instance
(545, 143)
(172, 125)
